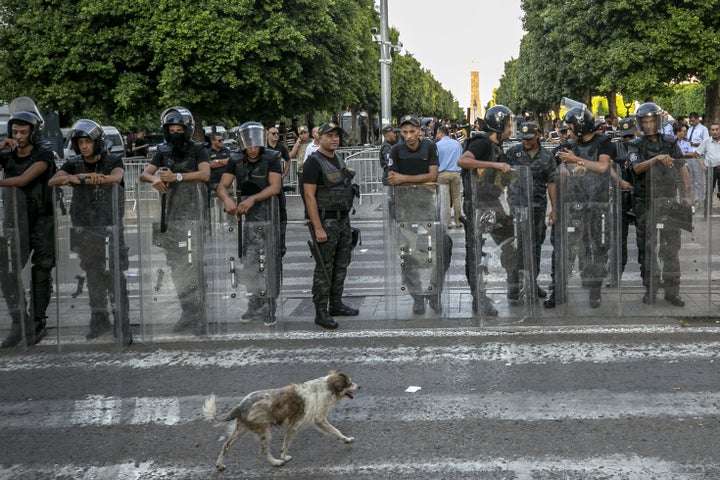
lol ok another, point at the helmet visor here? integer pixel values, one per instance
(252, 136)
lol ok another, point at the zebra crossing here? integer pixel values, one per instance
(575, 403)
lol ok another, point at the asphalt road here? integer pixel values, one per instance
(577, 403)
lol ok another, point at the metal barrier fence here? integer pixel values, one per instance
(364, 160)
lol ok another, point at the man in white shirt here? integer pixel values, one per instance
(697, 132)
(709, 151)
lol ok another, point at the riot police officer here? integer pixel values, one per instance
(660, 171)
(484, 150)
(96, 214)
(585, 188)
(28, 165)
(542, 167)
(180, 162)
(328, 192)
(257, 172)
(412, 163)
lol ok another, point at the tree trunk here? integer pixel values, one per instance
(199, 134)
(712, 103)
(612, 103)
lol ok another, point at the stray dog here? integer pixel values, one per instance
(292, 407)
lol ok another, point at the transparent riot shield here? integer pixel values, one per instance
(587, 237)
(500, 265)
(246, 264)
(417, 252)
(172, 228)
(675, 251)
(15, 317)
(92, 257)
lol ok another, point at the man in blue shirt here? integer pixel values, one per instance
(449, 150)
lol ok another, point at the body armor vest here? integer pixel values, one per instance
(92, 205)
(336, 193)
(592, 186)
(663, 181)
(187, 164)
(252, 178)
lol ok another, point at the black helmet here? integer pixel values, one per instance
(85, 128)
(252, 134)
(497, 118)
(582, 121)
(653, 112)
(27, 118)
(177, 116)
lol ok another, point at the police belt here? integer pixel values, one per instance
(333, 214)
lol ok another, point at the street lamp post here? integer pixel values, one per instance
(385, 61)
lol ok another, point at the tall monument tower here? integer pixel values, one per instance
(475, 104)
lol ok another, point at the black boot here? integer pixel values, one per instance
(323, 318)
(270, 318)
(595, 297)
(418, 305)
(340, 309)
(257, 307)
(99, 324)
(553, 300)
(187, 320)
(484, 304)
(40, 330)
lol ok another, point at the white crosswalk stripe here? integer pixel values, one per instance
(581, 404)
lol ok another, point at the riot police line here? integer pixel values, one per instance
(208, 266)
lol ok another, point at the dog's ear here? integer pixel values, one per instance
(332, 372)
(338, 382)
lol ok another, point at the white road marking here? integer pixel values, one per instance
(629, 467)
(509, 353)
(524, 406)
(95, 410)
(163, 411)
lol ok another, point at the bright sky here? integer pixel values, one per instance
(452, 38)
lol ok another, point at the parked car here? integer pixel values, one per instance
(114, 140)
(154, 139)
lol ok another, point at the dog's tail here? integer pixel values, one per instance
(209, 409)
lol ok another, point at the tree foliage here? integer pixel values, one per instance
(124, 61)
(640, 48)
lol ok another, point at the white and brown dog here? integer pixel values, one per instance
(293, 408)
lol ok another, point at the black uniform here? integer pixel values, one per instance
(184, 201)
(97, 212)
(486, 204)
(626, 213)
(586, 218)
(656, 192)
(542, 167)
(250, 179)
(37, 235)
(216, 173)
(415, 208)
(335, 200)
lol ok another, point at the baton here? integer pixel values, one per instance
(316, 253)
(163, 217)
